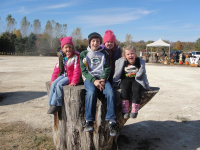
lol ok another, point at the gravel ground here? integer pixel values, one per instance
(170, 121)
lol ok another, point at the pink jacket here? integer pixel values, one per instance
(73, 68)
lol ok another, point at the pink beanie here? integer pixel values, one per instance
(109, 36)
(66, 40)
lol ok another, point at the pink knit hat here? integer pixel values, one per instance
(109, 36)
(66, 40)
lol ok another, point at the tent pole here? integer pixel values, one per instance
(169, 52)
(146, 50)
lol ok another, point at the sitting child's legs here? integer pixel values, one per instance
(125, 94)
(111, 101)
(56, 94)
(111, 109)
(90, 104)
(136, 98)
(90, 100)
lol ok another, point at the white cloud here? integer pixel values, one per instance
(25, 10)
(111, 16)
(55, 6)
(191, 26)
(22, 10)
(181, 28)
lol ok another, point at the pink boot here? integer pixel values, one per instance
(125, 105)
(134, 111)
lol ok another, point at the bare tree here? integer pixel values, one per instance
(25, 27)
(64, 30)
(129, 39)
(10, 23)
(2, 26)
(36, 26)
(77, 36)
(53, 32)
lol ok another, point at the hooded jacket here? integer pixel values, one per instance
(140, 77)
(116, 54)
(94, 64)
(73, 70)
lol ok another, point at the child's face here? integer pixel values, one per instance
(67, 49)
(109, 44)
(94, 44)
(130, 56)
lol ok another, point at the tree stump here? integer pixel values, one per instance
(68, 124)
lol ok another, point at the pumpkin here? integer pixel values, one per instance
(186, 63)
(187, 56)
(181, 62)
(172, 60)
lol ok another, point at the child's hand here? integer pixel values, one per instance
(72, 84)
(103, 82)
(50, 82)
(97, 83)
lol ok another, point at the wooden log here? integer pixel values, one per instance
(68, 124)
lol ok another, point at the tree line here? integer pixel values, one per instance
(30, 39)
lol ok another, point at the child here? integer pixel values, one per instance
(130, 73)
(66, 71)
(110, 45)
(95, 69)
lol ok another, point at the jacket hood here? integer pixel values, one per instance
(98, 50)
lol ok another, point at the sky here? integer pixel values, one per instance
(172, 20)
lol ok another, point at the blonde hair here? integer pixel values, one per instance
(128, 47)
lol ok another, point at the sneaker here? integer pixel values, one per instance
(89, 126)
(114, 131)
(133, 115)
(53, 109)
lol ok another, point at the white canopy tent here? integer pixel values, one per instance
(159, 43)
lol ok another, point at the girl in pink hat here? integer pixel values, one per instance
(67, 71)
(109, 44)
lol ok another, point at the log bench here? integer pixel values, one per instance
(68, 123)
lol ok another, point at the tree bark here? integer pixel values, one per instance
(68, 124)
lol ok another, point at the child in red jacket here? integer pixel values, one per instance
(66, 71)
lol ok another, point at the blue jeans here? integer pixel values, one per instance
(56, 92)
(91, 100)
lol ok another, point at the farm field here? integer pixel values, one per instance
(170, 121)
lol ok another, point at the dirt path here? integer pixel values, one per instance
(170, 121)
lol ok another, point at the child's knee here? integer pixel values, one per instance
(59, 85)
(91, 92)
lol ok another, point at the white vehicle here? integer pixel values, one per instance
(196, 54)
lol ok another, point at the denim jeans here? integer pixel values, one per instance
(91, 100)
(56, 92)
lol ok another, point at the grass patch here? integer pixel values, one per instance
(20, 136)
(183, 119)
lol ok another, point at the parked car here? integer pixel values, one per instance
(196, 54)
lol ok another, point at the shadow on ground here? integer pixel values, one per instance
(157, 135)
(10, 98)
